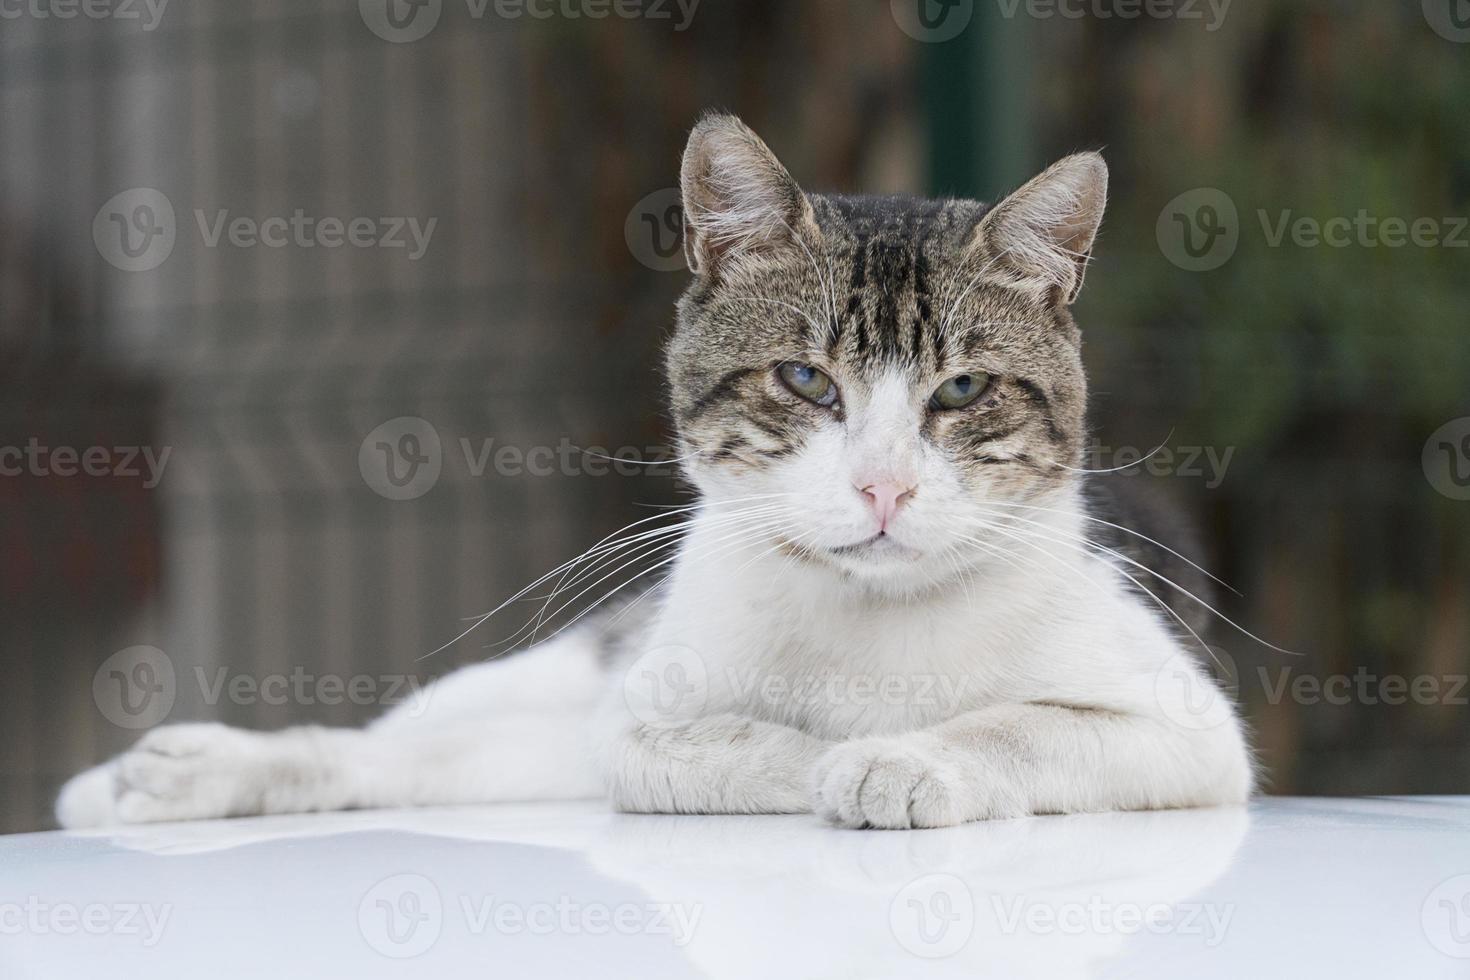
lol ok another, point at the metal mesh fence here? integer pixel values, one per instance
(256, 240)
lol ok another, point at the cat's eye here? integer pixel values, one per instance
(808, 382)
(960, 390)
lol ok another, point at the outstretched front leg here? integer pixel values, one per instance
(717, 764)
(1020, 759)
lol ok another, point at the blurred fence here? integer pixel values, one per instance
(136, 313)
(290, 532)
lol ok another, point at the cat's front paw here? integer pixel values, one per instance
(890, 783)
(191, 772)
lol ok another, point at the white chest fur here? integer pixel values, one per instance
(787, 642)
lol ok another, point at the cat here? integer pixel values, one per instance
(889, 606)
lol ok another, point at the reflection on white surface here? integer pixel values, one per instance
(1010, 898)
(1292, 887)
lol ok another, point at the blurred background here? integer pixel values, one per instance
(291, 294)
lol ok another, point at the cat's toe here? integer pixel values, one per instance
(186, 772)
(838, 779)
(888, 784)
(199, 738)
(89, 799)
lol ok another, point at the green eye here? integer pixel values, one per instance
(960, 390)
(808, 382)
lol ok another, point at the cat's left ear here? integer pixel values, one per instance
(1043, 233)
(739, 201)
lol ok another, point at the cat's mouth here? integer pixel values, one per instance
(881, 544)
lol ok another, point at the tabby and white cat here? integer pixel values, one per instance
(889, 605)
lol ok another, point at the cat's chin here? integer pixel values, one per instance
(880, 564)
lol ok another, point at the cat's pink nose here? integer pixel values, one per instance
(885, 499)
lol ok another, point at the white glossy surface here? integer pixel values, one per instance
(1291, 888)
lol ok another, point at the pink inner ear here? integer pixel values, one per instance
(1046, 229)
(738, 199)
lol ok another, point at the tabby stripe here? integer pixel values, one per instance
(980, 440)
(895, 270)
(726, 387)
(777, 432)
(855, 298)
(1033, 391)
(925, 302)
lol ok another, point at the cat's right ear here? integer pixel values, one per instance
(738, 199)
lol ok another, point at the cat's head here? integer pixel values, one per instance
(873, 380)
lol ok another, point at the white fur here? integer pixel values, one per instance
(958, 671)
(508, 730)
(885, 691)
(1052, 702)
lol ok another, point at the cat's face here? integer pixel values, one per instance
(868, 384)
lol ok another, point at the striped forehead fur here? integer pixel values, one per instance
(860, 286)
